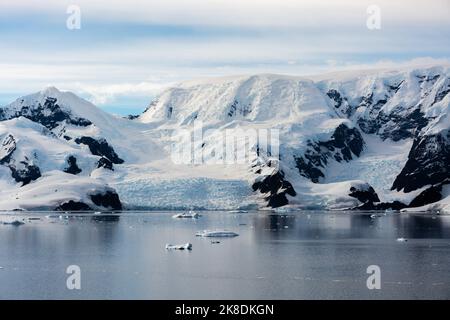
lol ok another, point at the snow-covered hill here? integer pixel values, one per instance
(368, 140)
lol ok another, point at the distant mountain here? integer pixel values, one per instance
(363, 140)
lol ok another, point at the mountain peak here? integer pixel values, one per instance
(50, 91)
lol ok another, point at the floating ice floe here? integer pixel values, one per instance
(13, 222)
(190, 215)
(402, 239)
(216, 234)
(238, 211)
(186, 246)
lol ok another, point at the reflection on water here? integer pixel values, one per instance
(301, 255)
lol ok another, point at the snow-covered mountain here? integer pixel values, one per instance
(367, 140)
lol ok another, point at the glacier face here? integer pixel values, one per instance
(368, 140)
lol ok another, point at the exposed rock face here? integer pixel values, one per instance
(25, 172)
(397, 125)
(395, 205)
(100, 147)
(72, 166)
(105, 163)
(276, 187)
(49, 115)
(430, 195)
(344, 144)
(367, 195)
(364, 195)
(109, 199)
(73, 206)
(22, 171)
(7, 148)
(428, 163)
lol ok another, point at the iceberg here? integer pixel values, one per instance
(13, 222)
(190, 215)
(216, 234)
(186, 246)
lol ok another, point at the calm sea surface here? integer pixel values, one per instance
(301, 255)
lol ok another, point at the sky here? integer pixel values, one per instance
(126, 52)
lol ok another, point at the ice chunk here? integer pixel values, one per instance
(216, 233)
(186, 246)
(13, 222)
(190, 215)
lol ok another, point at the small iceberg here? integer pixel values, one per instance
(186, 246)
(237, 211)
(216, 234)
(188, 215)
(402, 239)
(13, 222)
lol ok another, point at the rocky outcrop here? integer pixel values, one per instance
(365, 194)
(109, 200)
(49, 114)
(395, 205)
(100, 147)
(427, 164)
(73, 206)
(429, 195)
(397, 125)
(344, 144)
(105, 163)
(8, 146)
(276, 188)
(72, 166)
(25, 172)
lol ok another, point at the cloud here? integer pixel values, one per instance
(104, 94)
(138, 47)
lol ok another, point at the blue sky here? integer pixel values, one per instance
(128, 51)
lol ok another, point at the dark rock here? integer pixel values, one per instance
(397, 125)
(49, 115)
(73, 206)
(364, 196)
(396, 205)
(336, 97)
(109, 199)
(26, 174)
(7, 148)
(277, 187)
(427, 164)
(430, 195)
(237, 108)
(343, 145)
(100, 147)
(105, 163)
(73, 167)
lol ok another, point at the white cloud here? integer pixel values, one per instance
(290, 13)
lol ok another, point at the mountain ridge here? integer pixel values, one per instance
(333, 135)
